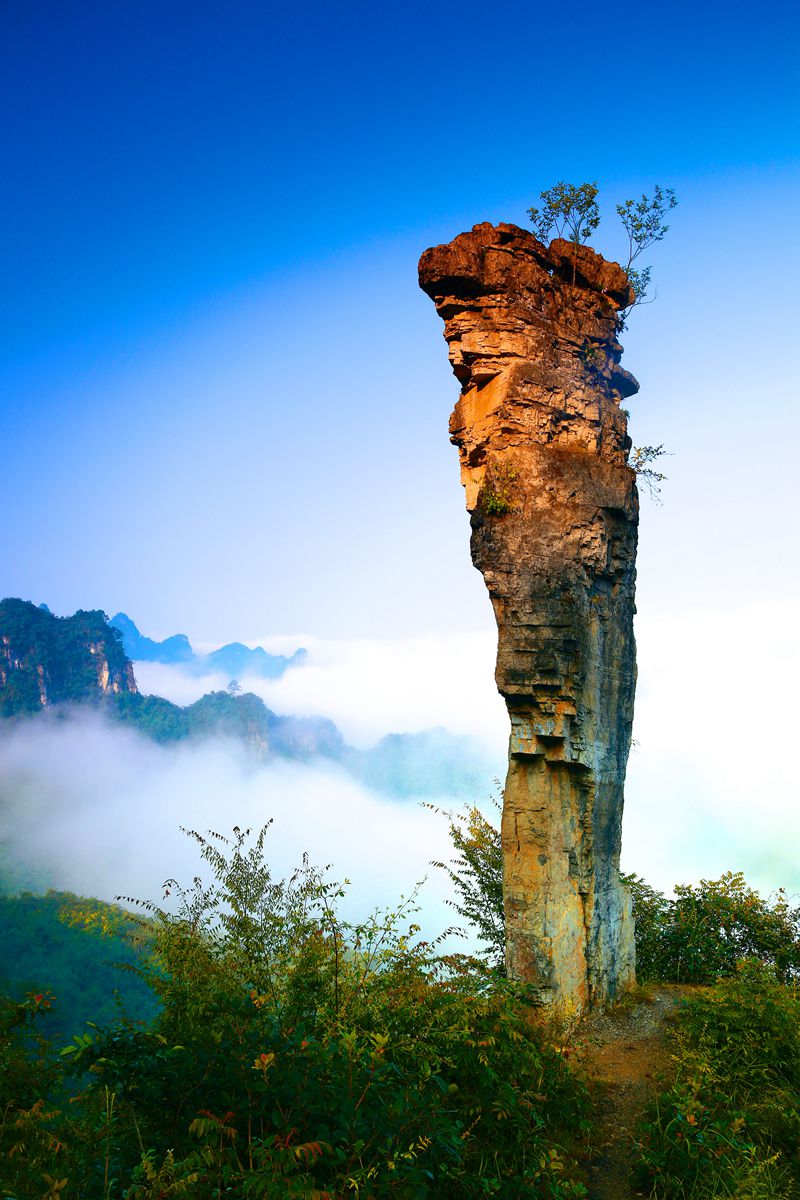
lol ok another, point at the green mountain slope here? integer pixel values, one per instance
(47, 660)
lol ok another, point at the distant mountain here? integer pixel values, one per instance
(434, 762)
(431, 763)
(175, 649)
(47, 660)
(233, 660)
(54, 663)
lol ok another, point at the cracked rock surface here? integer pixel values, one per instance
(543, 444)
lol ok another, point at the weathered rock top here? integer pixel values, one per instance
(503, 294)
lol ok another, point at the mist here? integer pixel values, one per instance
(369, 686)
(96, 809)
(712, 784)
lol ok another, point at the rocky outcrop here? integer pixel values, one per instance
(47, 660)
(543, 444)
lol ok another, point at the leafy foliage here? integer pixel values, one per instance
(30, 1142)
(730, 1123)
(571, 211)
(567, 211)
(644, 219)
(642, 459)
(709, 927)
(296, 1054)
(496, 496)
(477, 876)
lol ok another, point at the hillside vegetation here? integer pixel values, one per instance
(293, 1054)
(73, 949)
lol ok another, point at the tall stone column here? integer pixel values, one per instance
(543, 444)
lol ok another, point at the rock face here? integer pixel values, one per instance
(543, 445)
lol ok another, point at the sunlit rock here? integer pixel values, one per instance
(543, 444)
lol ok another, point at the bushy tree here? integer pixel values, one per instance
(299, 1055)
(729, 1123)
(710, 927)
(643, 221)
(477, 877)
(567, 211)
(571, 211)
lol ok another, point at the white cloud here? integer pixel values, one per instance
(711, 785)
(371, 687)
(163, 679)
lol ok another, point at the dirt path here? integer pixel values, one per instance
(624, 1052)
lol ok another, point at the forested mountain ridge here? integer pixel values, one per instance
(243, 717)
(234, 659)
(47, 660)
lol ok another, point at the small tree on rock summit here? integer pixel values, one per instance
(571, 211)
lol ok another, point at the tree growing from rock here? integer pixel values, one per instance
(643, 221)
(567, 211)
(570, 211)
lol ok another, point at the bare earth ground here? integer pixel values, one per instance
(626, 1055)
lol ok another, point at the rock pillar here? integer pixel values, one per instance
(543, 443)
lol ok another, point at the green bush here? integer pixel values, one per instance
(497, 494)
(709, 927)
(730, 1123)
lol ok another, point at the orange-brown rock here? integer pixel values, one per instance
(543, 443)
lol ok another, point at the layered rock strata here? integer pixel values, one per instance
(543, 443)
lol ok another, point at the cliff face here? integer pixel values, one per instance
(543, 446)
(46, 660)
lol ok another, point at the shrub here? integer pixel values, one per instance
(730, 1123)
(496, 496)
(709, 927)
(296, 1054)
(477, 877)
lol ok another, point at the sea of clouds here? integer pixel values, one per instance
(96, 808)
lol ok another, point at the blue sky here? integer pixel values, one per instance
(224, 400)
(224, 397)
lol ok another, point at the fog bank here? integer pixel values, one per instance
(95, 808)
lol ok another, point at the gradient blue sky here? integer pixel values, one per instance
(225, 401)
